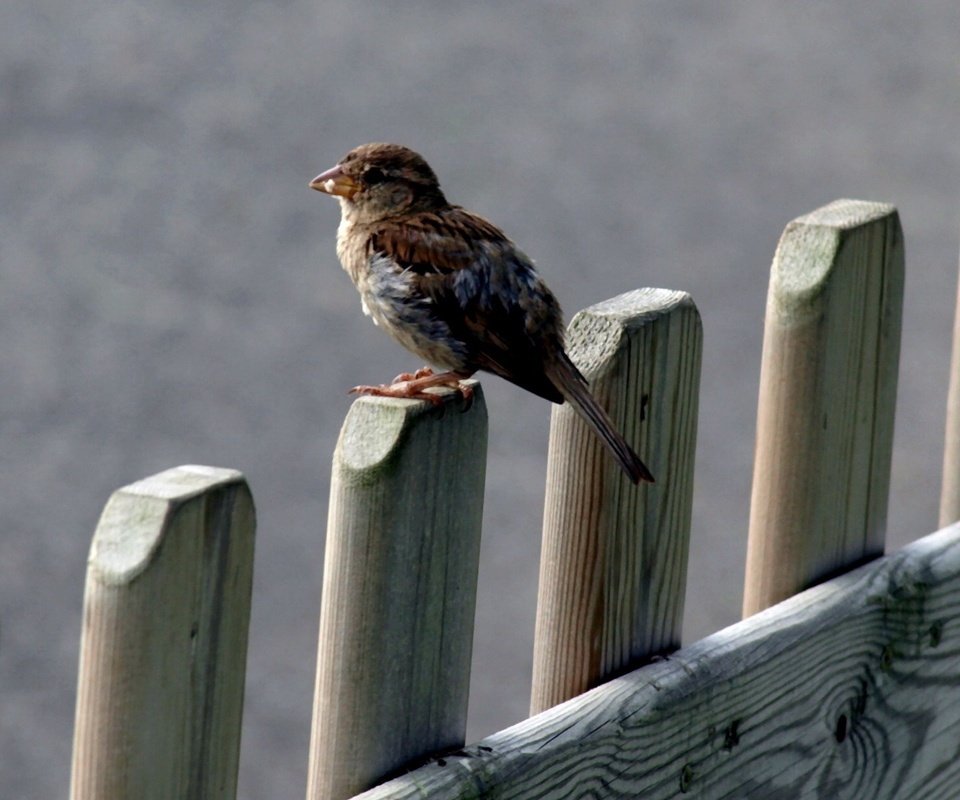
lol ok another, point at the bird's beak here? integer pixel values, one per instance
(335, 182)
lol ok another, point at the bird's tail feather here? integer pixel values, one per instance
(573, 386)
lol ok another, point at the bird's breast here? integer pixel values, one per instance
(391, 297)
(351, 249)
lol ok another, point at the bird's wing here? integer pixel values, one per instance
(441, 242)
(485, 290)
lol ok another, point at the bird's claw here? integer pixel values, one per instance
(413, 386)
(466, 392)
(403, 377)
(401, 389)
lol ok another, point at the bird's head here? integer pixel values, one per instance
(380, 181)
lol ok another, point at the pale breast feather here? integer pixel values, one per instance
(393, 301)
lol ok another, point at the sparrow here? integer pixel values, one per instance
(452, 288)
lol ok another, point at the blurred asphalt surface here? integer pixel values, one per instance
(171, 293)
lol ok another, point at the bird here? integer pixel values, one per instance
(453, 289)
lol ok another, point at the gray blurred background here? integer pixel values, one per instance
(170, 292)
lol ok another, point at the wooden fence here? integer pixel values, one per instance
(843, 681)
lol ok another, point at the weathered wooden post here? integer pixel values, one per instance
(950, 493)
(163, 650)
(614, 559)
(828, 386)
(399, 589)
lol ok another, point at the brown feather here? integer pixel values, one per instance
(422, 242)
(573, 386)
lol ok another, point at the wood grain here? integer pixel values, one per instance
(614, 556)
(950, 491)
(399, 589)
(844, 692)
(163, 650)
(828, 385)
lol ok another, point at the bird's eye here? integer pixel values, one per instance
(373, 175)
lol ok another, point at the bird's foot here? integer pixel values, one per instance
(414, 387)
(404, 377)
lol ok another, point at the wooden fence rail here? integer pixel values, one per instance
(846, 690)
